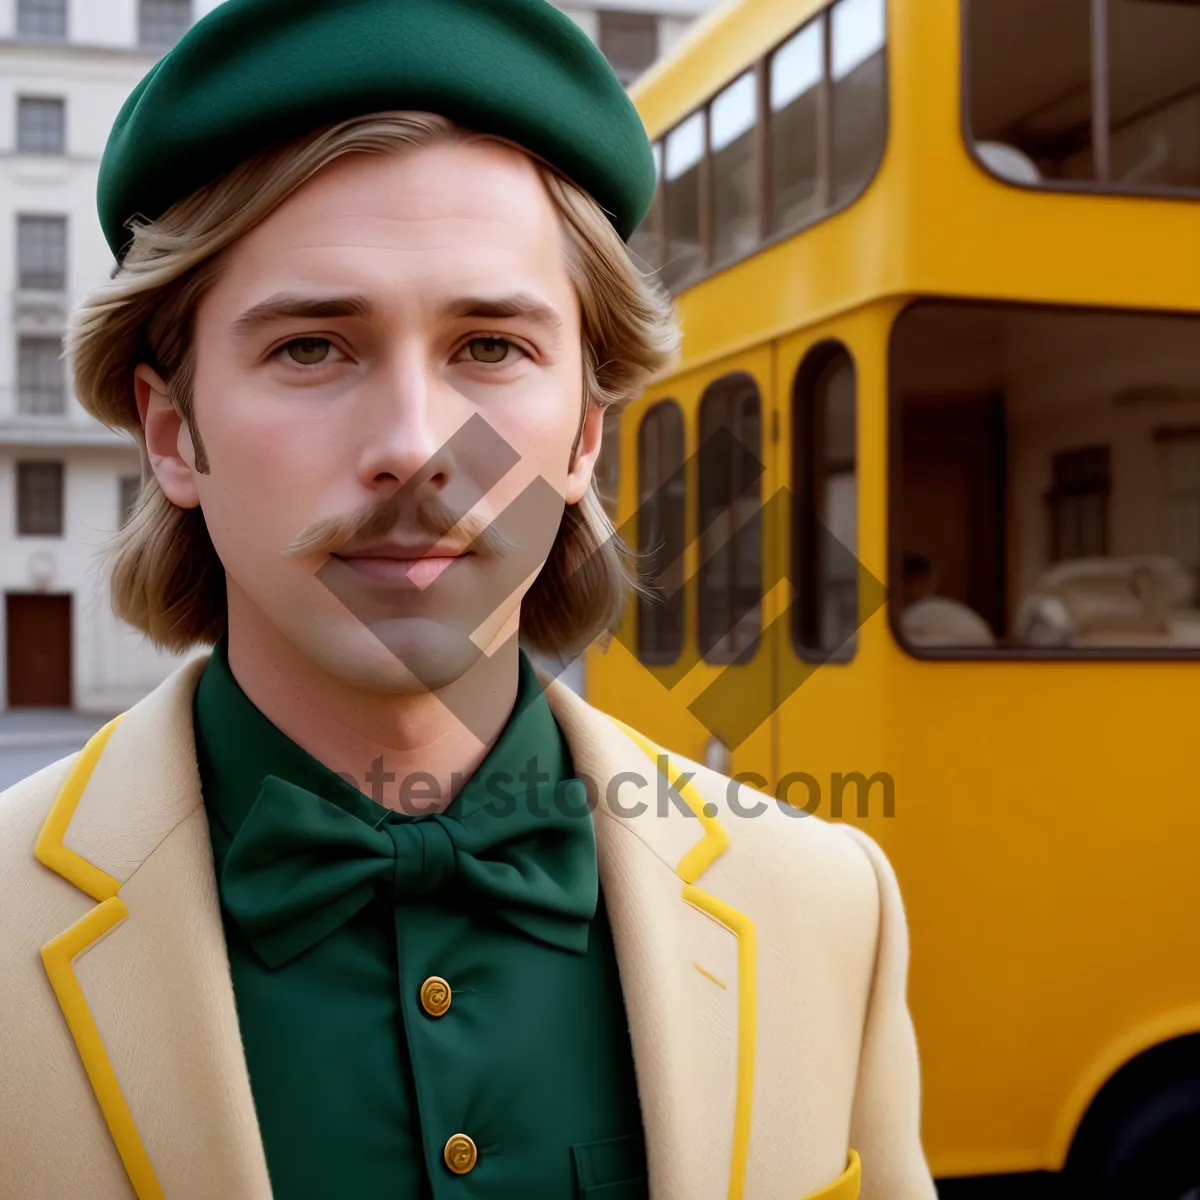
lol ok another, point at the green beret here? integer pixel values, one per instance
(254, 73)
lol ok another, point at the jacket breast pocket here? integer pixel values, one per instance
(612, 1169)
(846, 1186)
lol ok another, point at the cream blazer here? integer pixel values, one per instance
(763, 963)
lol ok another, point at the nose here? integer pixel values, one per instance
(406, 436)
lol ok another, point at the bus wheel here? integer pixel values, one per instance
(1141, 1138)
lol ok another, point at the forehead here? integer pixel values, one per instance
(438, 217)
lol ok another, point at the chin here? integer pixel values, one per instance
(404, 655)
(430, 653)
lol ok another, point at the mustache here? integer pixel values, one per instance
(434, 518)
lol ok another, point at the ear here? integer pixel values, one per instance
(586, 454)
(168, 440)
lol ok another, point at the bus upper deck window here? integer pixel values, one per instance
(796, 75)
(732, 118)
(1078, 93)
(1047, 480)
(646, 241)
(859, 95)
(683, 153)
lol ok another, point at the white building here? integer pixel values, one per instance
(66, 67)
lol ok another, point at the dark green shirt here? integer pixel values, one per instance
(358, 1088)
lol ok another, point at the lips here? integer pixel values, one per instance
(404, 566)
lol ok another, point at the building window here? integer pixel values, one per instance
(41, 126)
(1039, 507)
(41, 376)
(730, 519)
(42, 19)
(629, 40)
(825, 492)
(39, 499)
(1096, 94)
(161, 23)
(129, 488)
(732, 125)
(1078, 504)
(42, 253)
(661, 513)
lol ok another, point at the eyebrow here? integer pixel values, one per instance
(282, 306)
(519, 304)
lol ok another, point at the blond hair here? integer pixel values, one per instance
(165, 576)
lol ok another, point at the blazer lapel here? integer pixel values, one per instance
(143, 978)
(686, 957)
(150, 1005)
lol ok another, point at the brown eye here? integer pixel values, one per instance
(308, 352)
(489, 350)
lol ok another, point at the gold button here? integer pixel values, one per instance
(460, 1154)
(435, 996)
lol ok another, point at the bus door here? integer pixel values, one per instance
(699, 449)
(832, 546)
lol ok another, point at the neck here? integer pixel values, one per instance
(407, 751)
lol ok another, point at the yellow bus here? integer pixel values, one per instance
(922, 500)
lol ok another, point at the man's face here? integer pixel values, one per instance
(400, 338)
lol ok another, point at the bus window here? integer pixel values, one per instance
(794, 138)
(1047, 479)
(859, 97)
(682, 155)
(1088, 93)
(796, 73)
(735, 207)
(730, 520)
(646, 240)
(660, 524)
(825, 515)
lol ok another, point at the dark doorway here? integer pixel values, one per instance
(39, 651)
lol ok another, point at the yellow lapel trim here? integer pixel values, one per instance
(50, 851)
(715, 841)
(742, 928)
(690, 867)
(58, 957)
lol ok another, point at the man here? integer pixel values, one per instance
(928, 619)
(351, 907)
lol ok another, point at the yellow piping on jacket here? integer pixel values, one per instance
(690, 868)
(59, 954)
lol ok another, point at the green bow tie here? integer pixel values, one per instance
(300, 866)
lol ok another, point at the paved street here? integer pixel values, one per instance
(33, 738)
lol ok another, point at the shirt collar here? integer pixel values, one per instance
(237, 747)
